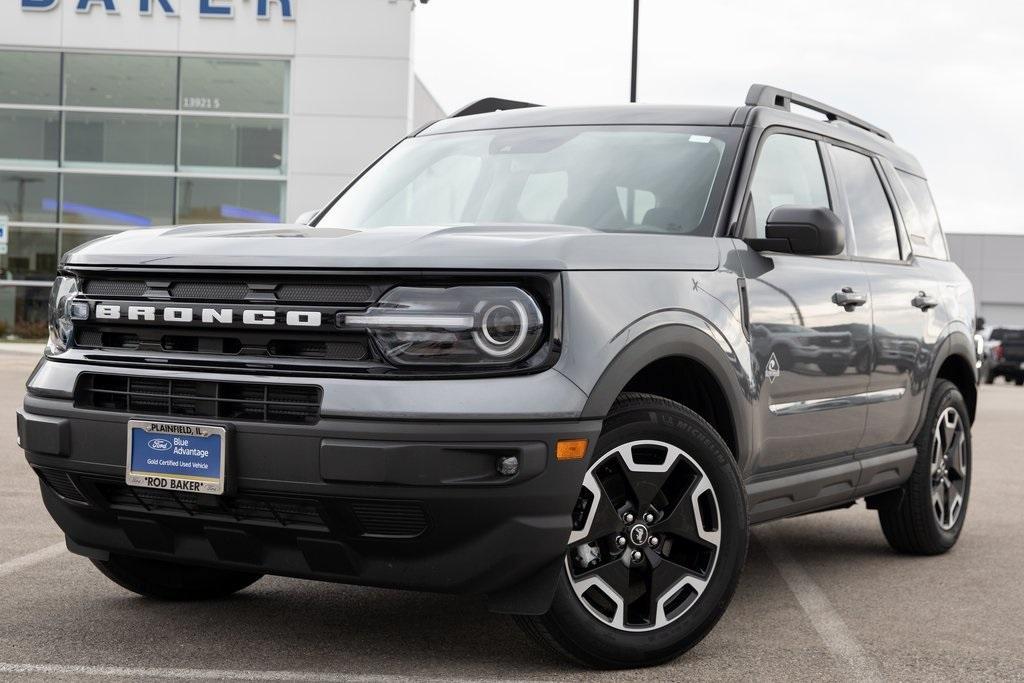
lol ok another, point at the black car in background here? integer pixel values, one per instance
(1006, 355)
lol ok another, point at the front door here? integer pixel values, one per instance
(811, 349)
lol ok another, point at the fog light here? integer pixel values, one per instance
(571, 449)
(508, 465)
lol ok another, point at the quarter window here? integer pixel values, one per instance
(871, 216)
(920, 216)
(788, 172)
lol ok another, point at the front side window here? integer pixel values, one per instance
(608, 178)
(788, 173)
(873, 224)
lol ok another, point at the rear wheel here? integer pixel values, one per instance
(169, 581)
(659, 538)
(929, 515)
(1019, 380)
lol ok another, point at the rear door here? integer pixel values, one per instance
(906, 299)
(810, 355)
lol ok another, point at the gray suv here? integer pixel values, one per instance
(559, 357)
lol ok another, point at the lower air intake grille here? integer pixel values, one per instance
(191, 398)
(62, 483)
(279, 512)
(390, 518)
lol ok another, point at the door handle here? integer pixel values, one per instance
(924, 302)
(849, 299)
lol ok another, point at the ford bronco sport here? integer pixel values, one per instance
(559, 357)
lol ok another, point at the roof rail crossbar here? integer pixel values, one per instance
(491, 104)
(769, 96)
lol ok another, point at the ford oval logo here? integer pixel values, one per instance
(159, 444)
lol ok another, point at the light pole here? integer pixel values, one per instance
(636, 37)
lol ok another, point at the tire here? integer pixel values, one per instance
(700, 480)
(990, 378)
(1018, 380)
(173, 582)
(912, 523)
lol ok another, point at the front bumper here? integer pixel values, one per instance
(403, 504)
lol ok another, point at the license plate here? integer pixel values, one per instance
(176, 456)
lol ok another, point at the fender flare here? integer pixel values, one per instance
(954, 343)
(685, 341)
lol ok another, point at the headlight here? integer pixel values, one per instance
(63, 310)
(466, 325)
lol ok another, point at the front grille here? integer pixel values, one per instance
(233, 344)
(190, 398)
(272, 511)
(390, 518)
(339, 294)
(62, 483)
(212, 289)
(209, 291)
(119, 289)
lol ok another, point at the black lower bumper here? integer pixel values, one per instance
(395, 504)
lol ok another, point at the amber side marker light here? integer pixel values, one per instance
(571, 449)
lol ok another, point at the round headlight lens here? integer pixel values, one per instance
(503, 328)
(61, 328)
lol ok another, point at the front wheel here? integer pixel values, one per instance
(929, 515)
(658, 541)
(170, 581)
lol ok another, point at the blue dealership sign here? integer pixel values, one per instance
(208, 9)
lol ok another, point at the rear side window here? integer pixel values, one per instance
(871, 216)
(920, 217)
(788, 172)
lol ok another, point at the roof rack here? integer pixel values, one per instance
(491, 104)
(769, 96)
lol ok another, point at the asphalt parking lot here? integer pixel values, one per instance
(822, 598)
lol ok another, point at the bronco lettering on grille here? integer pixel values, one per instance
(209, 316)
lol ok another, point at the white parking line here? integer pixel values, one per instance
(125, 672)
(819, 610)
(25, 561)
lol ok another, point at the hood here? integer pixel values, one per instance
(526, 247)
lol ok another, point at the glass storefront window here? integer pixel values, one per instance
(31, 254)
(126, 81)
(209, 200)
(28, 197)
(242, 85)
(29, 137)
(230, 143)
(119, 139)
(23, 311)
(136, 201)
(29, 77)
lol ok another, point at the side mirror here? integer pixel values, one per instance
(305, 218)
(804, 230)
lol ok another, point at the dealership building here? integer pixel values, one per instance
(129, 114)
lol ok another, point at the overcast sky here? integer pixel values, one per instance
(945, 78)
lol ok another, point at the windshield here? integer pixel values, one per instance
(609, 178)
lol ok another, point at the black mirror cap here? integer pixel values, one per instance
(804, 230)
